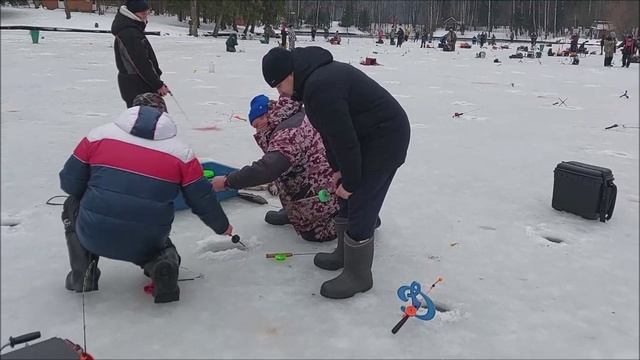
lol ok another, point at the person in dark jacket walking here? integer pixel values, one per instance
(313, 33)
(122, 179)
(295, 160)
(366, 136)
(138, 70)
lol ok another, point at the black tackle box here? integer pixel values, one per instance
(584, 190)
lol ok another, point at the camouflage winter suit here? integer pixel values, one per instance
(291, 134)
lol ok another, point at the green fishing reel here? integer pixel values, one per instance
(324, 195)
(208, 174)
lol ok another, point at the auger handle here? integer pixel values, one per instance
(13, 341)
(399, 324)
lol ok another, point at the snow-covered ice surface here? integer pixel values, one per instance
(471, 204)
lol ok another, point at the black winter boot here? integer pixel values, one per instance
(333, 260)
(83, 272)
(279, 217)
(356, 276)
(84, 265)
(163, 270)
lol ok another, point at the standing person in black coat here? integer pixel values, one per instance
(313, 33)
(283, 34)
(366, 135)
(400, 37)
(138, 70)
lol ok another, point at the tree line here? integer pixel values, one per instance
(521, 16)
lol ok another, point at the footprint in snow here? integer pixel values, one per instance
(462, 103)
(540, 232)
(615, 153)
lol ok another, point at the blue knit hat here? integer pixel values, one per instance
(259, 107)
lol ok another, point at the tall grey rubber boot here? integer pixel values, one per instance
(83, 272)
(333, 260)
(279, 217)
(163, 270)
(356, 276)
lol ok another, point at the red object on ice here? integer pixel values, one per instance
(207, 128)
(369, 61)
(410, 310)
(148, 289)
(86, 356)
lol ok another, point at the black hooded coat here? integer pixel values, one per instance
(363, 127)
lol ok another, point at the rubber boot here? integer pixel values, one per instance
(83, 272)
(356, 276)
(333, 260)
(84, 265)
(279, 217)
(163, 270)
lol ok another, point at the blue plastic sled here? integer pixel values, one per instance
(218, 169)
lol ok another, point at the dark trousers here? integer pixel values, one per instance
(607, 61)
(70, 210)
(363, 207)
(626, 59)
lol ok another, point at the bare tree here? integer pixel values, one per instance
(193, 26)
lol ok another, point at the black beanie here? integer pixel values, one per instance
(137, 5)
(277, 64)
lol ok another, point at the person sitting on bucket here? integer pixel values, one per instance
(295, 159)
(122, 179)
(232, 42)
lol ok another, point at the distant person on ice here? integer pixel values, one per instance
(122, 179)
(609, 47)
(138, 70)
(292, 38)
(451, 40)
(366, 136)
(283, 34)
(232, 42)
(400, 36)
(628, 46)
(294, 158)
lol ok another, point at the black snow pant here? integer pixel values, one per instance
(607, 61)
(363, 207)
(69, 216)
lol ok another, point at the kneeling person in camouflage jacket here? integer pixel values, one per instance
(295, 160)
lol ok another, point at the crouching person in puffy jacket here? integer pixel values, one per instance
(295, 159)
(122, 179)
